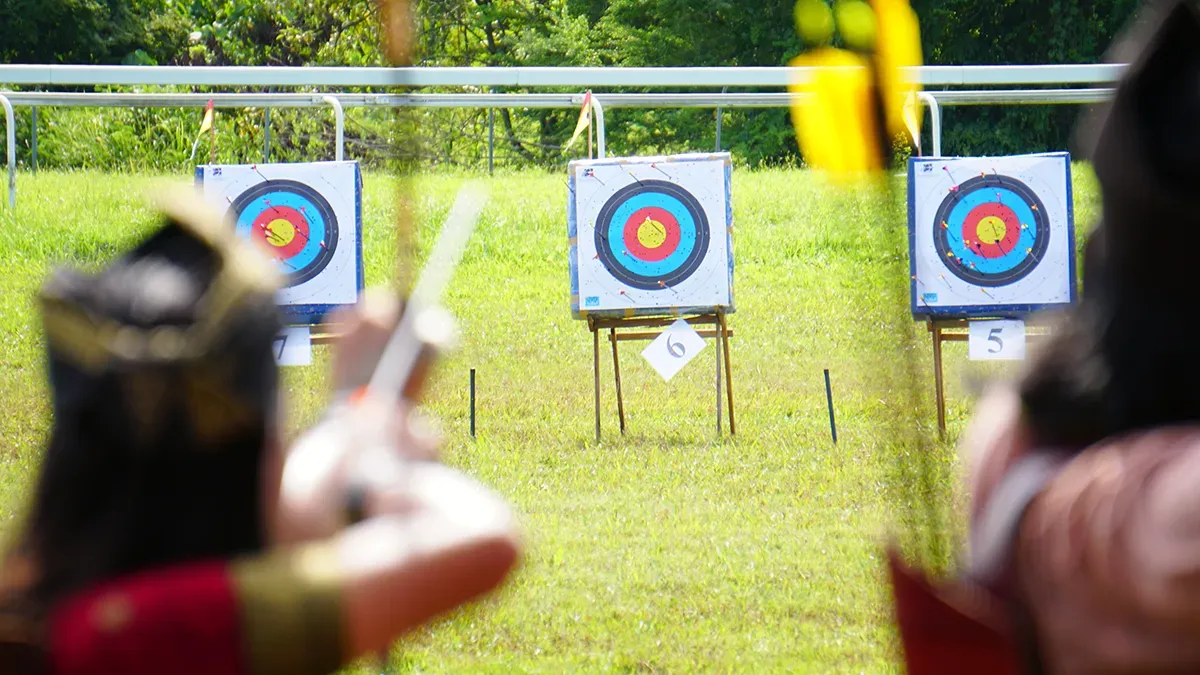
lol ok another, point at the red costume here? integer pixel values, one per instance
(271, 616)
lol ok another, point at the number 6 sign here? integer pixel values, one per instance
(672, 350)
(997, 340)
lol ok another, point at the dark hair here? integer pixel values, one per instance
(134, 476)
(1125, 357)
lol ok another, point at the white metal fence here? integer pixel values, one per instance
(1051, 78)
(270, 76)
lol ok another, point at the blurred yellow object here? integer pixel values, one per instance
(833, 114)
(836, 108)
(898, 54)
(856, 22)
(814, 22)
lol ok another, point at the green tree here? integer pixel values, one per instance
(1007, 32)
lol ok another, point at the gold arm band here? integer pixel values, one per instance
(291, 611)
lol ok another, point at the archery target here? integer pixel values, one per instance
(650, 235)
(991, 236)
(307, 217)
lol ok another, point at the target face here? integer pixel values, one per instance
(308, 218)
(992, 230)
(293, 222)
(652, 234)
(991, 237)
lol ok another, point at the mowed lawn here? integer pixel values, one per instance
(669, 549)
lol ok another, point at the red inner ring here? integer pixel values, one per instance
(1002, 247)
(297, 220)
(635, 247)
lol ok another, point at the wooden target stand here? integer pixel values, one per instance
(957, 330)
(635, 330)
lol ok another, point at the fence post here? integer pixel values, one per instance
(491, 139)
(720, 118)
(33, 139)
(267, 136)
(935, 115)
(340, 117)
(598, 111)
(10, 127)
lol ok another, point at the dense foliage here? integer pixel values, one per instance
(515, 32)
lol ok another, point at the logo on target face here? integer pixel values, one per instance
(652, 235)
(992, 230)
(293, 222)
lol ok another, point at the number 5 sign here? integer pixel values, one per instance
(671, 351)
(997, 341)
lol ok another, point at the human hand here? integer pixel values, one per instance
(361, 443)
(364, 332)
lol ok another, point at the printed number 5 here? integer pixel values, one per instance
(280, 343)
(994, 336)
(676, 349)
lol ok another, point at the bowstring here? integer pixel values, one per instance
(397, 19)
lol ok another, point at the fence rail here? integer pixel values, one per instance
(713, 100)
(278, 76)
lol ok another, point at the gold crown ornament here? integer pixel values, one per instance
(180, 326)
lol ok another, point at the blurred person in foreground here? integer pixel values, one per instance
(1085, 473)
(169, 531)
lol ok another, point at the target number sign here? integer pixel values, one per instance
(999, 340)
(293, 346)
(991, 237)
(673, 349)
(308, 218)
(650, 235)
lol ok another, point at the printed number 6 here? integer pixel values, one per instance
(994, 336)
(676, 349)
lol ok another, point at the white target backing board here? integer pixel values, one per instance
(991, 236)
(309, 217)
(650, 235)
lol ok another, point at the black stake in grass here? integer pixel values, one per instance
(472, 403)
(829, 399)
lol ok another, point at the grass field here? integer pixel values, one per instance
(665, 551)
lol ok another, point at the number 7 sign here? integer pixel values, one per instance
(997, 340)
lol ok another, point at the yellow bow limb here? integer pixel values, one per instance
(899, 55)
(836, 109)
(832, 113)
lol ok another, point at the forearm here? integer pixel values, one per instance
(459, 542)
(1112, 546)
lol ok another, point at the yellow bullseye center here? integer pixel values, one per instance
(651, 233)
(991, 230)
(280, 232)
